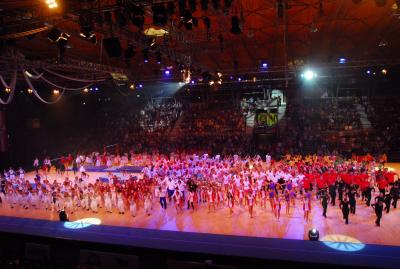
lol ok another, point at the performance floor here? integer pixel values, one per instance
(264, 224)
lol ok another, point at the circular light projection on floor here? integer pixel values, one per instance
(82, 223)
(342, 242)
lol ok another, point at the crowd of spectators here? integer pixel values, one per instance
(160, 115)
(383, 114)
(323, 127)
(328, 115)
(216, 128)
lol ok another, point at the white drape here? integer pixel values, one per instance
(11, 86)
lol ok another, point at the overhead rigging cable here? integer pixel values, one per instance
(71, 78)
(58, 86)
(11, 87)
(36, 93)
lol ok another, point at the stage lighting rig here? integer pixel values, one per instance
(188, 20)
(51, 4)
(86, 27)
(313, 234)
(309, 75)
(152, 43)
(58, 37)
(88, 33)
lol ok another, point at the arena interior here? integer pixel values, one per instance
(199, 134)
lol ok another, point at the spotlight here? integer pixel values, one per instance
(313, 234)
(192, 82)
(51, 4)
(235, 25)
(211, 82)
(342, 60)
(239, 79)
(56, 92)
(140, 85)
(132, 86)
(309, 75)
(384, 71)
(7, 90)
(30, 91)
(167, 72)
(86, 90)
(219, 82)
(368, 72)
(264, 65)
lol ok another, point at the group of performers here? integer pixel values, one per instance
(189, 181)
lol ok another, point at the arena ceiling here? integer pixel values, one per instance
(279, 32)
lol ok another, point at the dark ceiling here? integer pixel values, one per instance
(279, 32)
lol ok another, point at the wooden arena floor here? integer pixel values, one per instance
(264, 224)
